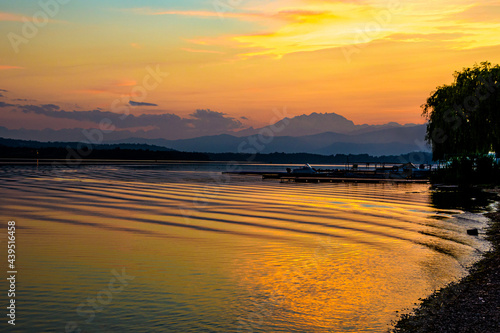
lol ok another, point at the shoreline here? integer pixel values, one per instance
(471, 304)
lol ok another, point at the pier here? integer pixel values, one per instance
(313, 179)
(285, 177)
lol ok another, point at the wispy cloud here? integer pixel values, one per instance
(201, 51)
(201, 14)
(112, 87)
(4, 16)
(13, 17)
(124, 83)
(141, 104)
(441, 37)
(201, 122)
(481, 12)
(92, 92)
(311, 25)
(293, 14)
(5, 105)
(5, 67)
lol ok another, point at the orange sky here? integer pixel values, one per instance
(370, 61)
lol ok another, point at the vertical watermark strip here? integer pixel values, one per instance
(11, 272)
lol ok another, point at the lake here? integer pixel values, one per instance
(182, 248)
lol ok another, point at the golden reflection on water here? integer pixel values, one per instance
(237, 256)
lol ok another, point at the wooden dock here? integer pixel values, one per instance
(312, 179)
(285, 177)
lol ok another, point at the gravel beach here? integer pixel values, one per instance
(470, 305)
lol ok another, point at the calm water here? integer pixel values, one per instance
(196, 252)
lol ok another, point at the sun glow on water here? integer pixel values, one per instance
(227, 256)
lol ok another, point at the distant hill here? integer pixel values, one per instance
(74, 151)
(391, 141)
(76, 145)
(62, 135)
(303, 125)
(316, 123)
(318, 133)
(11, 150)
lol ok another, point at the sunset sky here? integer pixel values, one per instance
(370, 61)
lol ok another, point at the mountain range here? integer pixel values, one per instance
(324, 134)
(316, 123)
(399, 140)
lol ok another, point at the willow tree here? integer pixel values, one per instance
(464, 117)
